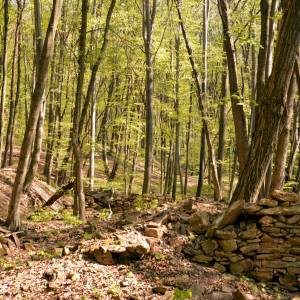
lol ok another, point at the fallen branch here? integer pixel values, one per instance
(59, 193)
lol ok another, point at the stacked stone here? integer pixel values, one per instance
(264, 243)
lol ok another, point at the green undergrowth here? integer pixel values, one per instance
(46, 215)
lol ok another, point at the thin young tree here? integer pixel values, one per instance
(13, 218)
(148, 24)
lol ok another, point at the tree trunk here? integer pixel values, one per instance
(13, 218)
(4, 75)
(148, 22)
(283, 140)
(239, 118)
(273, 104)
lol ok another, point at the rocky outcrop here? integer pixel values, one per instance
(261, 240)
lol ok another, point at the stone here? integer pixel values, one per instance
(243, 266)
(275, 264)
(199, 222)
(266, 220)
(252, 208)
(202, 259)
(293, 220)
(187, 205)
(241, 295)
(289, 282)
(159, 290)
(267, 202)
(154, 232)
(293, 271)
(219, 267)
(250, 233)
(276, 211)
(236, 258)
(285, 196)
(228, 245)
(294, 241)
(281, 219)
(249, 248)
(295, 250)
(264, 276)
(231, 214)
(225, 234)
(269, 256)
(220, 296)
(209, 246)
(104, 258)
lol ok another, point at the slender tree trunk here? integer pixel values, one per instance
(12, 108)
(239, 118)
(218, 194)
(79, 199)
(13, 218)
(177, 124)
(149, 16)
(222, 127)
(188, 136)
(4, 76)
(283, 140)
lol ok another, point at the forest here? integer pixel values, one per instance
(149, 149)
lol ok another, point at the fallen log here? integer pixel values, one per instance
(59, 193)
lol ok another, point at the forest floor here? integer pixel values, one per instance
(48, 259)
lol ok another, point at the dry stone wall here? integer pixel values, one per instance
(264, 242)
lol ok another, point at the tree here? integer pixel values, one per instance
(273, 104)
(148, 23)
(13, 218)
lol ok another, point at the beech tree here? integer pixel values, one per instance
(13, 219)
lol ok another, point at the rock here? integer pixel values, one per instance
(264, 276)
(225, 234)
(286, 211)
(249, 248)
(231, 214)
(289, 282)
(266, 220)
(187, 205)
(202, 259)
(293, 271)
(124, 283)
(252, 208)
(219, 267)
(209, 246)
(294, 241)
(268, 202)
(250, 233)
(295, 250)
(74, 276)
(228, 245)
(199, 222)
(154, 232)
(285, 196)
(269, 256)
(243, 266)
(293, 219)
(159, 290)
(220, 296)
(104, 258)
(241, 295)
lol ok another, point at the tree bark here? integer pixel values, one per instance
(273, 104)
(13, 218)
(148, 22)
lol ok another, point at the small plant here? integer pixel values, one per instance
(42, 215)
(69, 219)
(159, 256)
(98, 294)
(182, 294)
(114, 290)
(104, 214)
(87, 236)
(6, 265)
